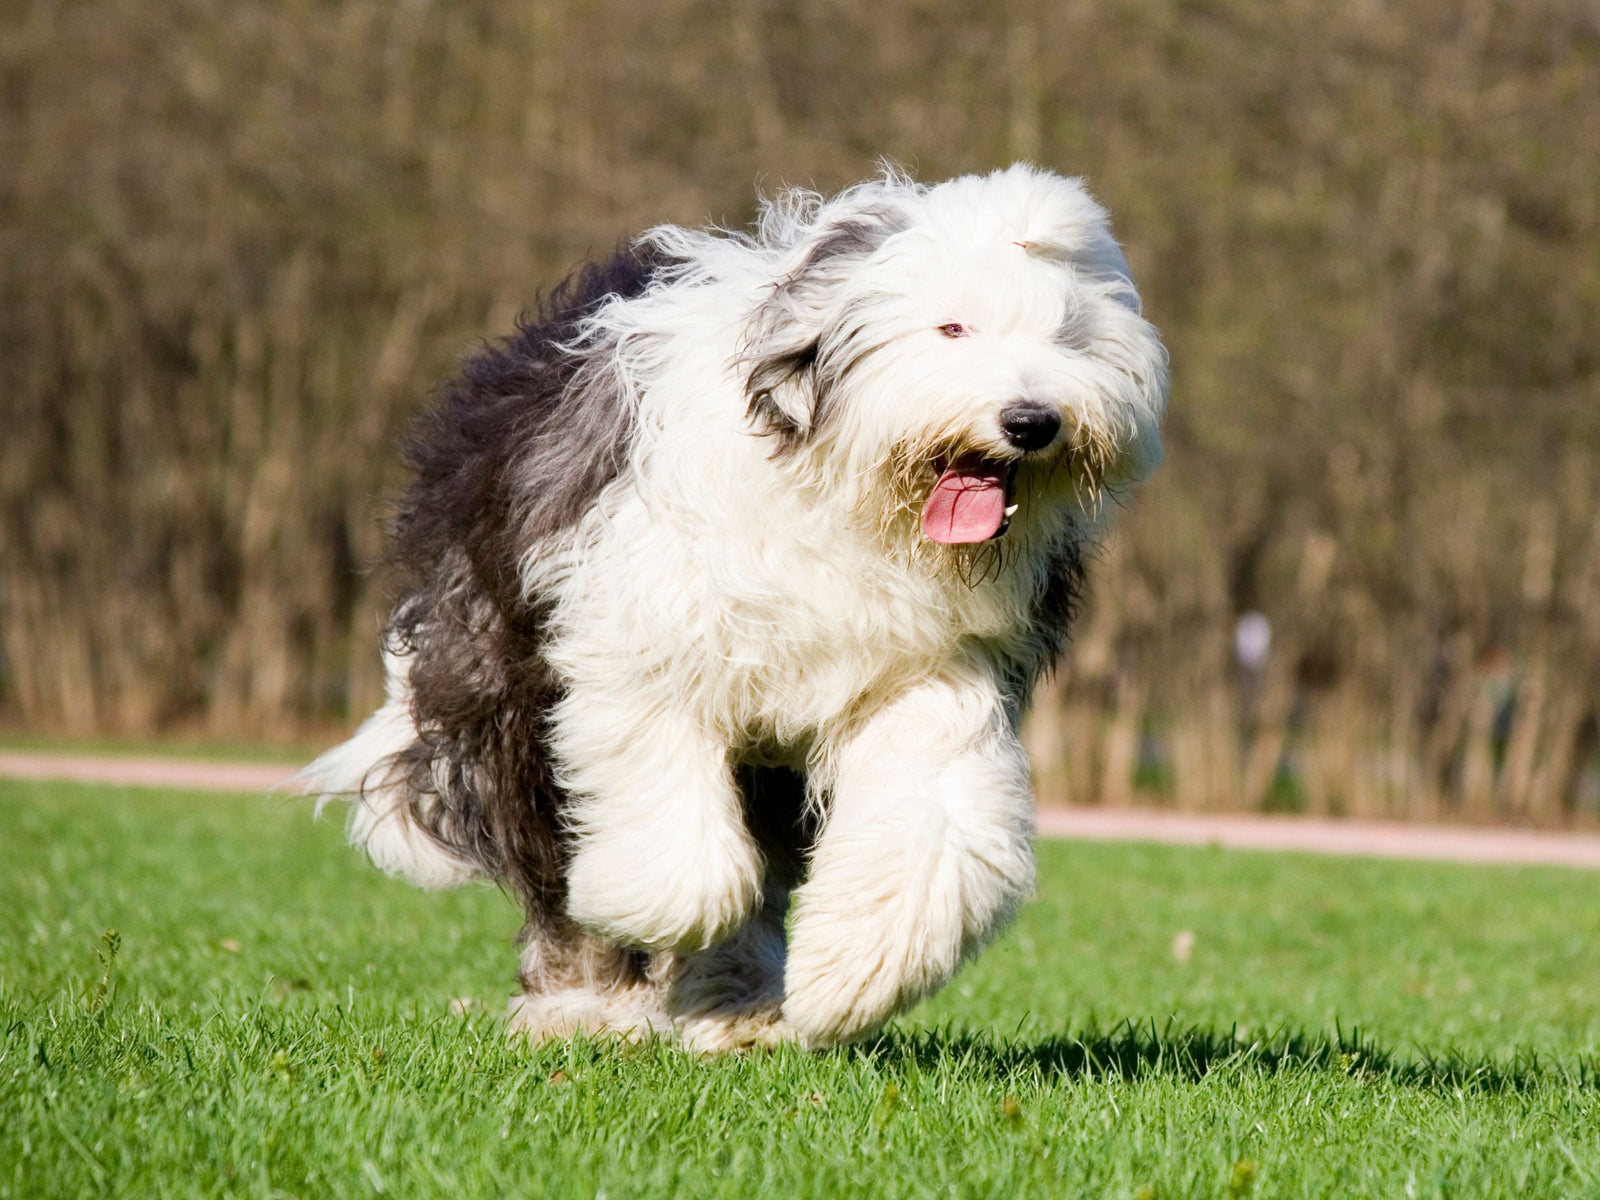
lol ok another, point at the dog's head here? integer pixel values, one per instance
(958, 353)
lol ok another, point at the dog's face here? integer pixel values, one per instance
(971, 353)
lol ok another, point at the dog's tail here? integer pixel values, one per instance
(366, 772)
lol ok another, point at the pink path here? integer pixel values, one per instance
(1319, 835)
(1239, 831)
(146, 772)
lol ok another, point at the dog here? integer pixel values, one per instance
(727, 578)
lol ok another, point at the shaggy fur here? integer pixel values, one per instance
(712, 609)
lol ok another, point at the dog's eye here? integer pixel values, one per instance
(955, 329)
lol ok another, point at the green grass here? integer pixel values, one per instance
(198, 749)
(276, 1020)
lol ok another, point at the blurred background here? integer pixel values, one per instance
(239, 241)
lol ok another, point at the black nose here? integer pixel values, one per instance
(1029, 425)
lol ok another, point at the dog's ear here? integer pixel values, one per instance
(785, 335)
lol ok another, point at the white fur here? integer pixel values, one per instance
(632, 1013)
(720, 599)
(926, 851)
(380, 824)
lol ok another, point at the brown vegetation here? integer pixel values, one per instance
(237, 242)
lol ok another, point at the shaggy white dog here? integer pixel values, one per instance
(729, 577)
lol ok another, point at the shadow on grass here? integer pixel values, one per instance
(1136, 1052)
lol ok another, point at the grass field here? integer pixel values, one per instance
(274, 1018)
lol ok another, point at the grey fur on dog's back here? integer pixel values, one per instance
(513, 451)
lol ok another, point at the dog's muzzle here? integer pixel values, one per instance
(972, 499)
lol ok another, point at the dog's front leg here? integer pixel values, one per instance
(926, 851)
(662, 857)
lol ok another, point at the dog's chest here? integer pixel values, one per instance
(771, 622)
(808, 636)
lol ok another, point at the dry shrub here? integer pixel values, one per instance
(237, 242)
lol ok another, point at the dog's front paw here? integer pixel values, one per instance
(841, 985)
(850, 969)
(681, 896)
(830, 1004)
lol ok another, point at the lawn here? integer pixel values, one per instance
(272, 1017)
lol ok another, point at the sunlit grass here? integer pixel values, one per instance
(273, 1017)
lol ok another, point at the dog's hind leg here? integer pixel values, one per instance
(925, 852)
(572, 981)
(662, 858)
(730, 997)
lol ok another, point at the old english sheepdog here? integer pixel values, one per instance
(728, 577)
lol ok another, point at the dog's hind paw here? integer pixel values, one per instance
(632, 1015)
(759, 1026)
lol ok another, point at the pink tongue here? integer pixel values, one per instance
(968, 504)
